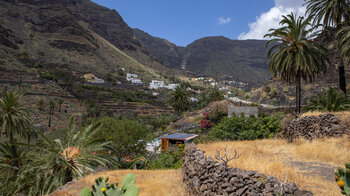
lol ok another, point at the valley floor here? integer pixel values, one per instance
(308, 164)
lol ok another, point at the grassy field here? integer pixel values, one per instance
(308, 164)
(151, 183)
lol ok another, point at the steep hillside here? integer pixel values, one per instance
(241, 60)
(76, 34)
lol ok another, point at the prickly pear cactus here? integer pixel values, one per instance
(342, 176)
(86, 192)
(128, 185)
(103, 188)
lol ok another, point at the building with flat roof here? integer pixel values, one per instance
(172, 141)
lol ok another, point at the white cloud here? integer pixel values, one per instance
(223, 20)
(272, 18)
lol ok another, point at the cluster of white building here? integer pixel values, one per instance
(133, 78)
(156, 84)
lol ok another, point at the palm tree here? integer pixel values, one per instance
(344, 44)
(294, 56)
(79, 153)
(14, 119)
(333, 101)
(179, 99)
(331, 12)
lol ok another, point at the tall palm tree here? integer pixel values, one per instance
(294, 55)
(179, 99)
(344, 44)
(330, 13)
(14, 119)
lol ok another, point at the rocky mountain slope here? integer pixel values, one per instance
(240, 60)
(76, 34)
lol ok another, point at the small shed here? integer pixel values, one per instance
(171, 141)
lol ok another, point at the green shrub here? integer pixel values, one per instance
(128, 136)
(170, 159)
(246, 128)
(332, 101)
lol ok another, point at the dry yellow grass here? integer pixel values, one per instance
(345, 115)
(274, 157)
(150, 182)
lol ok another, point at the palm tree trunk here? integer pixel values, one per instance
(13, 149)
(298, 93)
(342, 80)
(341, 69)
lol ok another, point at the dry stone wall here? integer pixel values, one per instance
(312, 127)
(205, 177)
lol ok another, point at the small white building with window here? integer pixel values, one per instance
(136, 81)
(99, 80)
(130, 76)
(155, 84)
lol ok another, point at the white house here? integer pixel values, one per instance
(99, 80)
(193, 99)
(130, 76)
(155, 84)
(172, 86)
(136, 81)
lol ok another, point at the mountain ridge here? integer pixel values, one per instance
(242, 60)
(71, 33)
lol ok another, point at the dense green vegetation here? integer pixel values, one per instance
(332, 101)
(171, 159)
(45, 165)
(127, 136)
(246, 128)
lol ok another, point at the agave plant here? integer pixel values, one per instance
(333, 101)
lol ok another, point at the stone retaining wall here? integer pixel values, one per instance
(205, 177)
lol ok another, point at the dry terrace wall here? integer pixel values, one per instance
(206, 177)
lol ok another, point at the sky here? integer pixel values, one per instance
(184, 21)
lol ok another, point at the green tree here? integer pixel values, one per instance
(41, 104)
(294, 55)
(52, 106)
(209, 95)
(128, 136)
(14, 119)
(60, 102)
(331, 12)
(179, 100)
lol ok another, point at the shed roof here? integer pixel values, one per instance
(180, 136)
